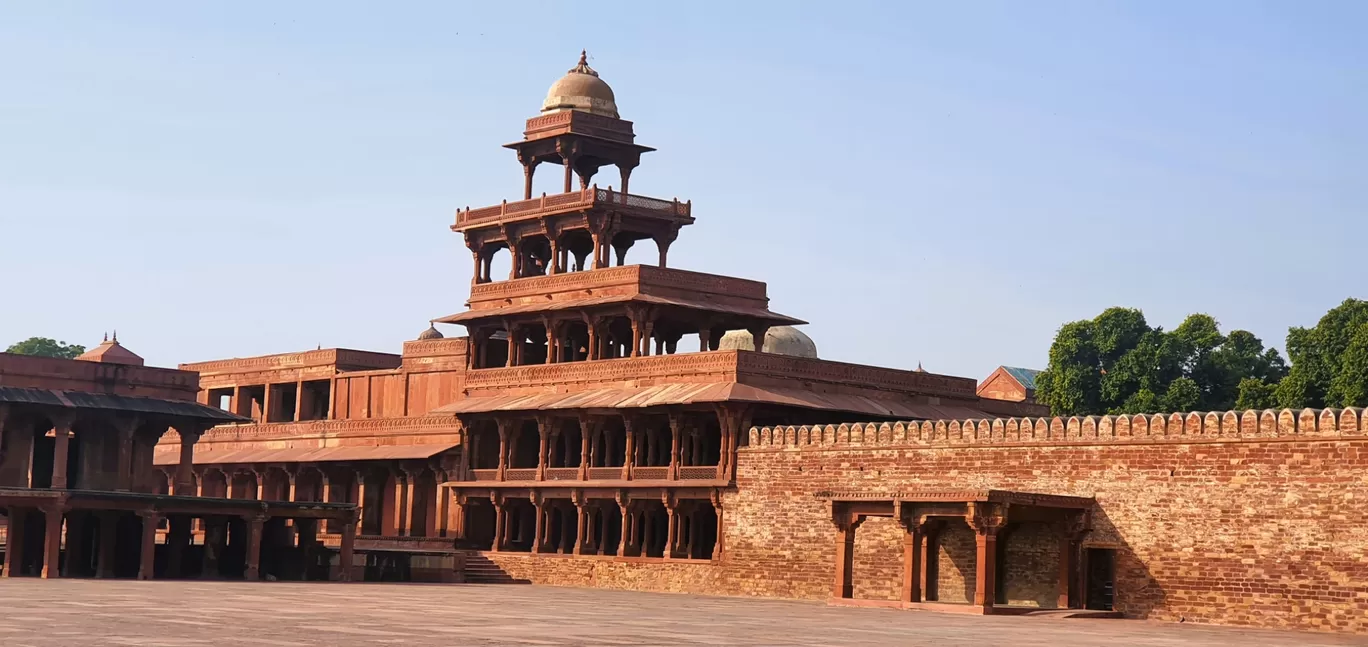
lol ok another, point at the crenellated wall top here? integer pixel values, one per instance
(1195, 426)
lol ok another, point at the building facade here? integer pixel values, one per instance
(80, 497)
(646, 427)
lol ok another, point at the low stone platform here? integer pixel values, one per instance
(35, 613)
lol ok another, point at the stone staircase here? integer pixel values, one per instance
(480, 570)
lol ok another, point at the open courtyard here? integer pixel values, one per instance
(173, 614)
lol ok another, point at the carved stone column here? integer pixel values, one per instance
(987, 520)
(913, 538)
(624, 503)
(539, 510)
(61, 435)
(1072, 529)
(629, 426)
(676, 422)
(581, 521)
(185, 468)
(346, 552)
(256, 524)
(505, 430)
(672, 527)
(52, 536)
(586, 425)
(846, 524)
(544, 441)
(499, 522)
(150, 520)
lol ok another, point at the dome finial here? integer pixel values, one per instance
(584, 57)
(116, 335)
(106, 338)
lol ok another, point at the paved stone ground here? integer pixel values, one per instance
(175, 614)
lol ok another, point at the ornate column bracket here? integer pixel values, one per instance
(987, 520)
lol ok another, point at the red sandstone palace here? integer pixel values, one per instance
(643, 426)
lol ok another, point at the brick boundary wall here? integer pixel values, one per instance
(1250, 518)
(1245, 518)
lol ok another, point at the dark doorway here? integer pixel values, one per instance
(1101, 565)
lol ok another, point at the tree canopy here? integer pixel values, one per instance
(45, 347)
(1118, 363)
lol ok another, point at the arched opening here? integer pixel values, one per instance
(479, 525)
(534, 256)
(496, 262)
(424, 504)
(622, 242)
(484, 445)
(213, 484)
(243, 485)
(576, 250)
(524, 445)
(309, 485)
(566, 444)
(275, 484)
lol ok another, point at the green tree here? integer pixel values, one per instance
(45, 347)
(1117, 363)
(1349, 387)
(1256, 394)
(1323, 372)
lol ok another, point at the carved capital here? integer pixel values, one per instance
(986, 518)
(1076, 524)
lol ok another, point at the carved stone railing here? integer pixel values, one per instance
(650, 473)
(484, 475)
(588, 198)
(1226, 426)
(562, 473)
(719, 363)
(698, 473)
(539, 286)
(605, 473)
(520, 474)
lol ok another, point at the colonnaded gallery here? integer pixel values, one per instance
(644, 427)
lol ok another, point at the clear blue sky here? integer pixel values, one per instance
(934, 182)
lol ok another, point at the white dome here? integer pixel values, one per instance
(780, 340)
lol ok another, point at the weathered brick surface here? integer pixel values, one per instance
(1222, 518)
(958, 553)
(1251, 519)
(1030, 572)
(877, 568)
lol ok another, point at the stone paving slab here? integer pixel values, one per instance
(36, 613)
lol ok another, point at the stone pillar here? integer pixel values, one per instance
(581, 520)
(14, 540)
(539, 508)
(52, 536)
(629, 425)
(986, 519)
(626, 534)
(345, 554)
(255, 525)
(505, 429)
(410, 490)
(61, 435)
(544, 438)
(499, 522)
(359, 498)
(676, 422)
(1072, 529)
(846, 523)
(912, 560)
(718, 547)
(185, 468)
(586, 430)
(672, 525)
(148, 555)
